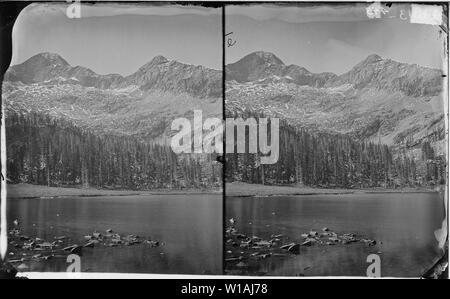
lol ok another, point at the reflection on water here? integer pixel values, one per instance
(189, 225)
(402, 224)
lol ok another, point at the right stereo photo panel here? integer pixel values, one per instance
(335, 139)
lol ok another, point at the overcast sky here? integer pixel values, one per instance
(331, 38)
(112, 38)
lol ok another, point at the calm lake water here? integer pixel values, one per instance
(189, 225)
(402, 224)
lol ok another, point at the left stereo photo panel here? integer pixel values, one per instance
(100, 104)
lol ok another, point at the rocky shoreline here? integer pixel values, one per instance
(244, 250)
(26, 249)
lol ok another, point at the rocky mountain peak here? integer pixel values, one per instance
(259, 66)
(266, 57)
(47, 59)
(254, 66)
(385, 74)
(372, 58)
(157, 60)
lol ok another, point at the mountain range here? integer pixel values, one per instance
(374, 71)
(142, 104)
(159, 73)
(377, 100)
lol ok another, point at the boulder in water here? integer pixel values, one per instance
(295, 249)
(287, 246)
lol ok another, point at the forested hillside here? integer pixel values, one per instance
(54, 152)
(336, 160)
